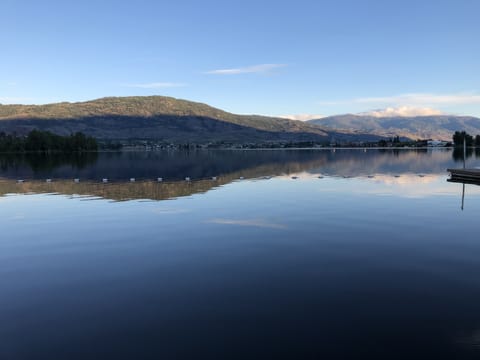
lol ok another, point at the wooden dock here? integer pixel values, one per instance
(468, 176)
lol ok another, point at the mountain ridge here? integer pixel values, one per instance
(160, 118)
(174, 120)
(439, 127)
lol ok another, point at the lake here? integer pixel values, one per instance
(315, 254)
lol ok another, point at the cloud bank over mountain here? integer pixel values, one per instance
(302, 117)
(402, 111)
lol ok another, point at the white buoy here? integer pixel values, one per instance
(105, 180)
(49, 180)
(76, 180)
(132, 179)
(187, 178)
(159, 179)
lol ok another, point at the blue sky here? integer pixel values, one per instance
(265, 57)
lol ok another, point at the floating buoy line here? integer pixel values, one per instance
(158, 179)
(189, 179)
(107, 180)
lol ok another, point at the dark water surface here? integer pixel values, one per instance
(363, 255)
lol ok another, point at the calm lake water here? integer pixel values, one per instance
(318, 254)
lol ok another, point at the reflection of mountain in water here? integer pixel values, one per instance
(171, 165)
(115, 191)
(176, 165)
(201, 166)
(150, 189)
(387, 162)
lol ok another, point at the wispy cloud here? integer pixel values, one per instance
(413, 99)
(155, 85)
(248, 222)
(262, 68)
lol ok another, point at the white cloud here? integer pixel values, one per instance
(302, 117)
(262, 68)
(155, 85)
(414, 99)
(402, 111)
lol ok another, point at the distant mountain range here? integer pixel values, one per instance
(439, 127)
(179, 121)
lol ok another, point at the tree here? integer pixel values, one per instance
(459, 137)
(46, 142)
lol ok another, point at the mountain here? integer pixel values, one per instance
(179, 121)
(158, 118)
(439, 127)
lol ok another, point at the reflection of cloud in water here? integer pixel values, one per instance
(409, 185)
(248, 222)
(162, 211)
(18, 217)
(406, 179)
(386, 179)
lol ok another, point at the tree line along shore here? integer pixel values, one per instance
(48, 142)
(45, 141)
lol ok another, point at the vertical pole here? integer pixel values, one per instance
(463, 196)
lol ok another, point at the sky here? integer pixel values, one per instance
(300, 58)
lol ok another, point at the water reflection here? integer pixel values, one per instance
(411, 172)
(464, 183)
(118, 191)
(317, 254)
(458, 156)
(40, 163)
(176, 165)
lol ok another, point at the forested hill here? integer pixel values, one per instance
(159, 118)
(149, 107)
